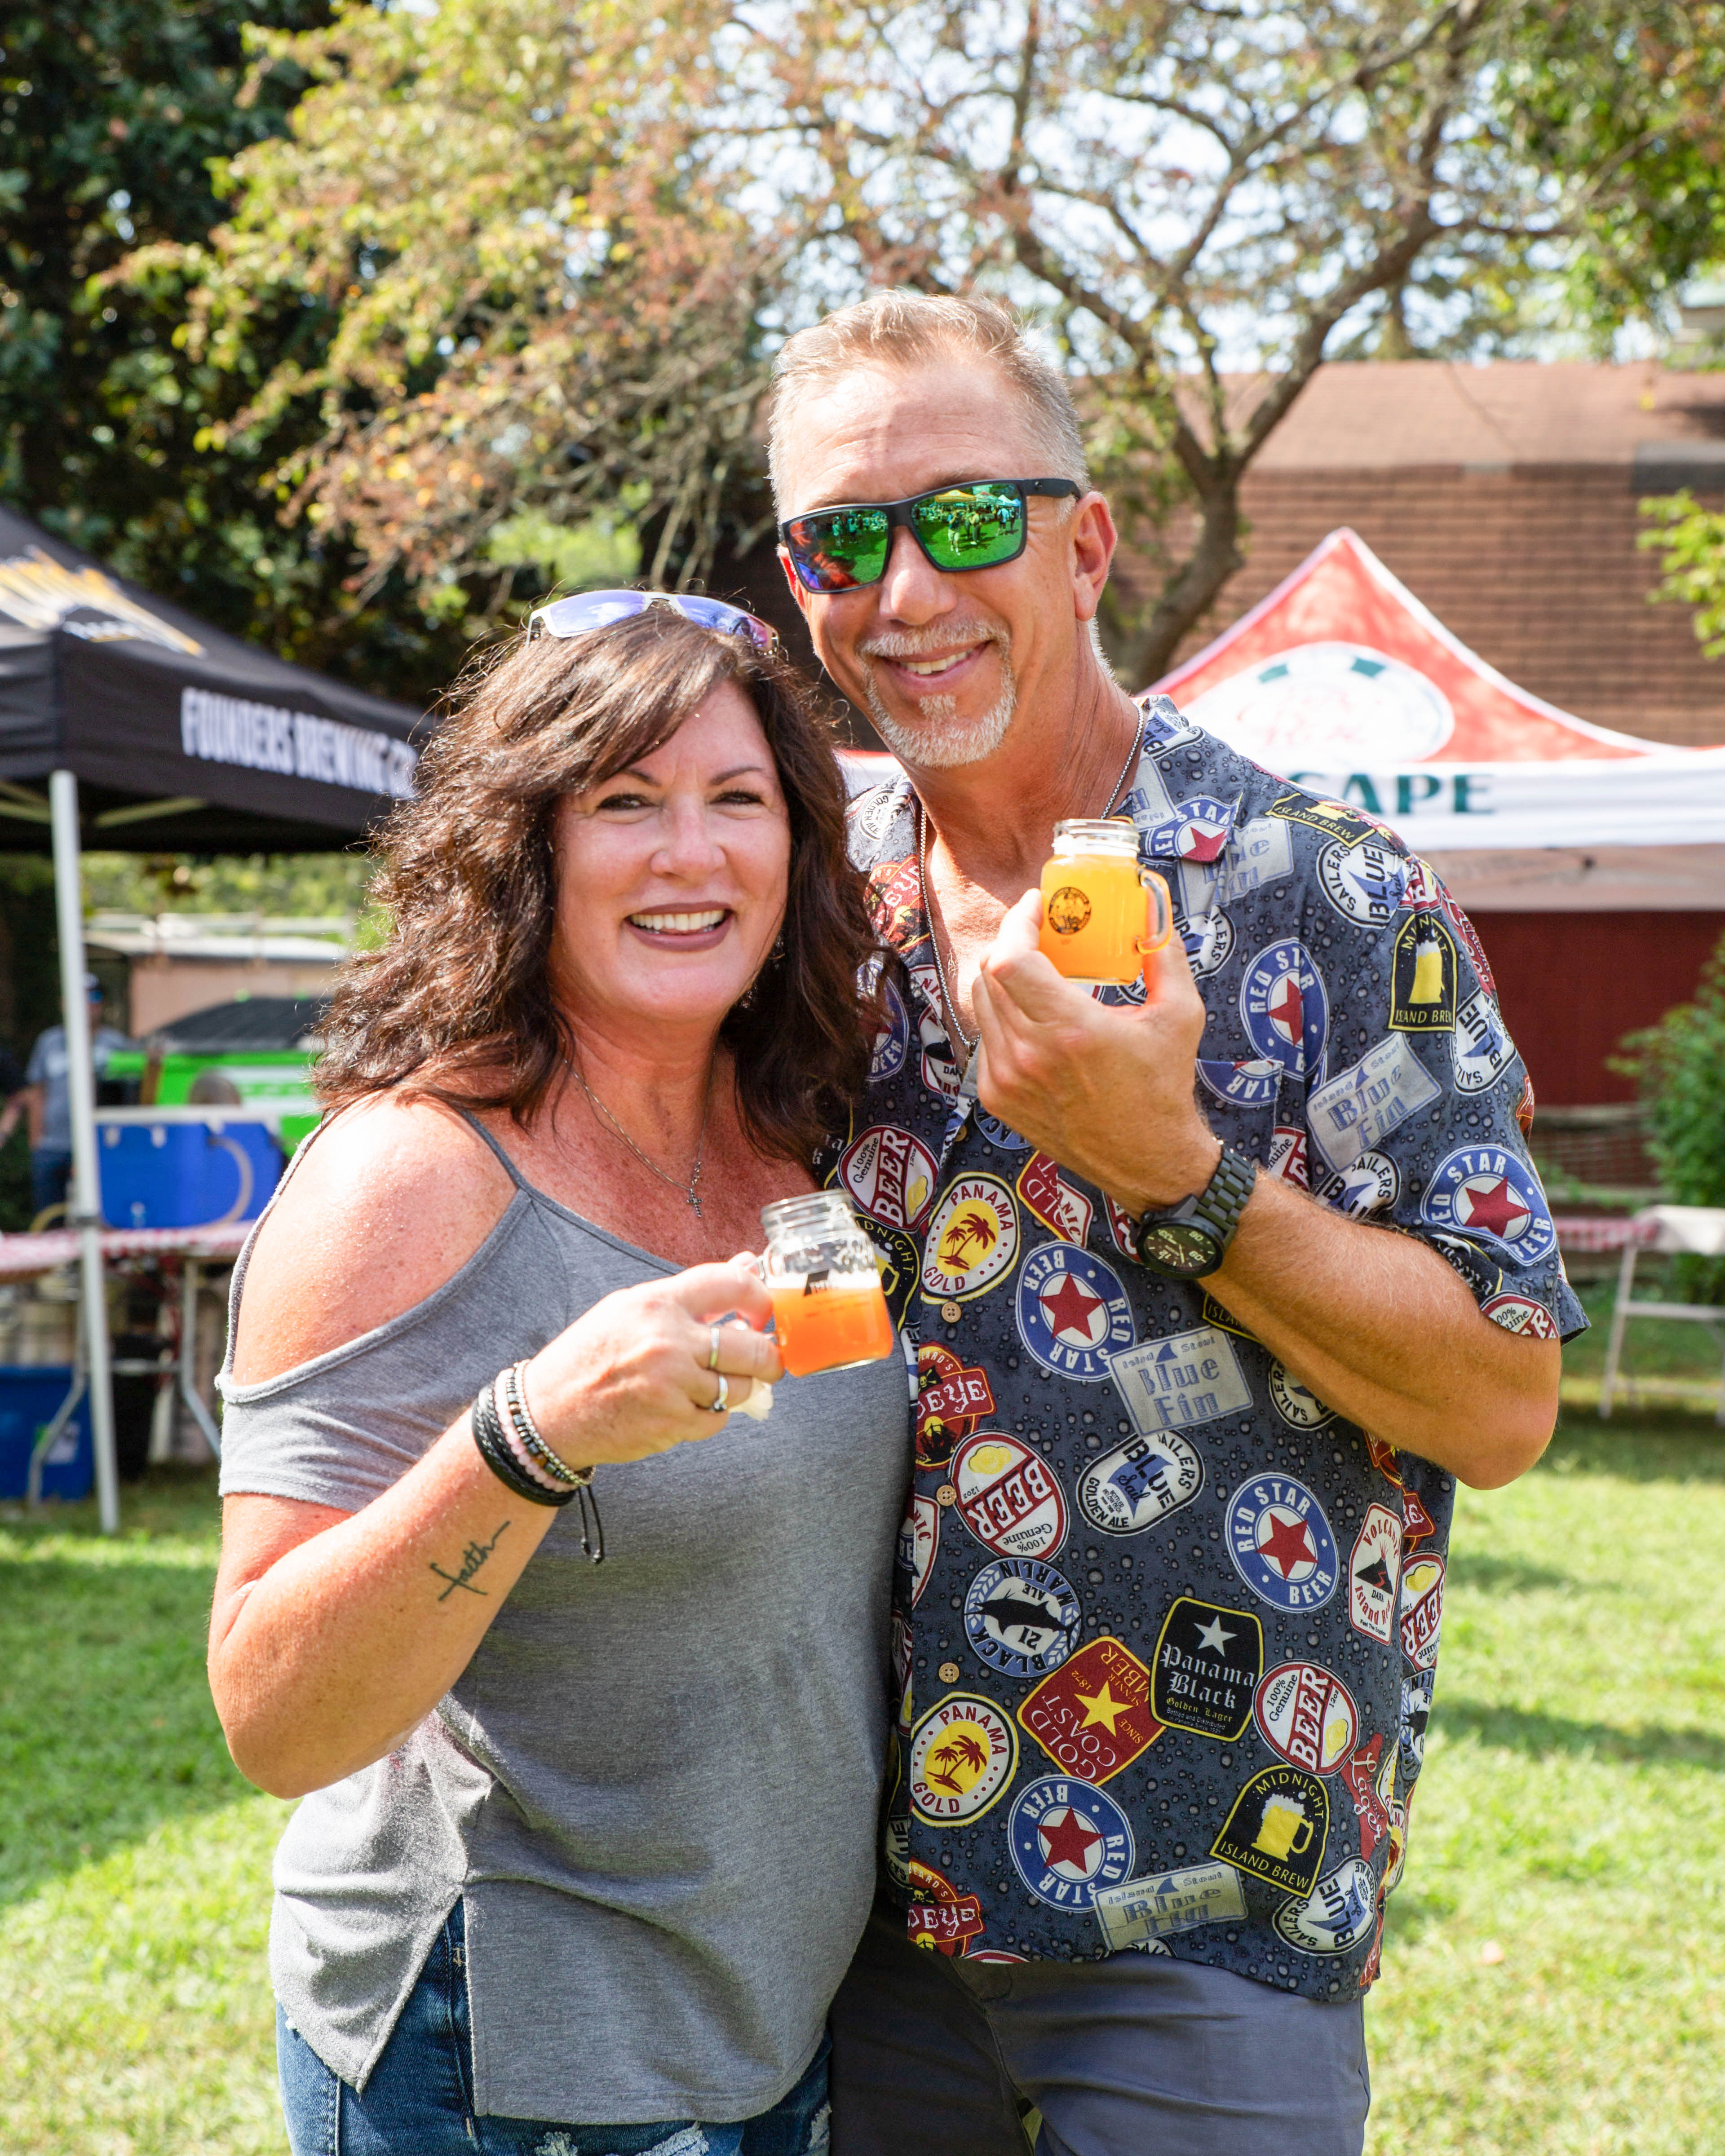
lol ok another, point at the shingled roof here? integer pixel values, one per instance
(1506, 496)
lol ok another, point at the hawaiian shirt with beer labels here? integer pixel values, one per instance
(1166, 1624)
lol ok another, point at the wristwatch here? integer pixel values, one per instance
(1190, 1239)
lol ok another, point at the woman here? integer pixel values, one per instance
(586, 1847)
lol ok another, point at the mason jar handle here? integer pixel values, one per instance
(1160, 922)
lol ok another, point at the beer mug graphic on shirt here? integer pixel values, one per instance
(1285, 1831)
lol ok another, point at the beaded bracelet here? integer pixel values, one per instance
(494, 1450)
(522, 1422)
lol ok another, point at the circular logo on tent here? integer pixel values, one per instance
(1329, 706)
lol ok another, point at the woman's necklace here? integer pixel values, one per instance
(689, 1191)
(964, 1039)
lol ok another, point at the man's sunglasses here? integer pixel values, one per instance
(585, 610)
(977, 526)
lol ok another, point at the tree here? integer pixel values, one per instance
(562, 241)
(1692, 541)
(111, 113)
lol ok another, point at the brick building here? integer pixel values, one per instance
(1506, 498)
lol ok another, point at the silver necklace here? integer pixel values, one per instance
(966, 1041)
(689, 1191)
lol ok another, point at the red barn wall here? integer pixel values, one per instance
(1570, 985)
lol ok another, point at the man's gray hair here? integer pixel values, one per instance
(907, 329)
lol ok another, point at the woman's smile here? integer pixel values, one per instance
(695, 930)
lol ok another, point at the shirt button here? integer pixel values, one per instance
(950, 1313)
(945, 1495)
(949, 1672)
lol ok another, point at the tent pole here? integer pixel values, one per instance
(86, 1210)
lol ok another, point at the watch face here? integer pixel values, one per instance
(1179, 1247)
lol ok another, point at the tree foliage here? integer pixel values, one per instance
(1692, 541)
(112, 432)
(559, 239)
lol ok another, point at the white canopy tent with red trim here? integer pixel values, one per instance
(1342, 681)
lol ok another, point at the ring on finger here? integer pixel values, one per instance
(720, 1405)
(712, 1360)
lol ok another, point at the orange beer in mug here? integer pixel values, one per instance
(829, 1311)
(1102, 913)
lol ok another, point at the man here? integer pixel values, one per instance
(46, 1101)
(1168, 1614)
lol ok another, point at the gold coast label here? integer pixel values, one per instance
(1306, 1715)
(889, 1174)
(1092, 1715)
(1008, 1496)
(962, 1758)
(972, 1239)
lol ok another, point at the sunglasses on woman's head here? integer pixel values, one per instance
(976, 525)
(586, 610)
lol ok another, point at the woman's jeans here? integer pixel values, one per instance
(419, 2099)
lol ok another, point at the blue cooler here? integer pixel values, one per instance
(30, 1395)
(185, 1167)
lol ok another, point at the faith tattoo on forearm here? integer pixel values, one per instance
(472, 1557)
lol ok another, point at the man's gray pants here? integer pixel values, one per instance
(1136, 2056)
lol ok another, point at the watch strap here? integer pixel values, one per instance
(1217, 1207)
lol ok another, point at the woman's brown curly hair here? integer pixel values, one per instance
(460, 992)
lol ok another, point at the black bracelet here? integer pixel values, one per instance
(493, 1450)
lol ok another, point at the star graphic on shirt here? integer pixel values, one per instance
(1212, 1635)
(1286, 1006)
(1493, 1204)
(1069, 1308)
(1103, 1706)
(1067, 1841)
(1287, 1545)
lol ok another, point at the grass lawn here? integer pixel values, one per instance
(1555, 1970)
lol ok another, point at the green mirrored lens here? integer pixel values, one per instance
(970, 526)
(847, 548)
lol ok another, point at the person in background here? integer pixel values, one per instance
(46, 1101)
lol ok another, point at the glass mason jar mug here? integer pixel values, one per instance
(1102, 913)
(829, 1311)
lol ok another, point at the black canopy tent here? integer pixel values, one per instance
(149, 729)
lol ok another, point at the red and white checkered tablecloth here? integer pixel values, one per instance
(1604, 1231)
(23, 1256)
